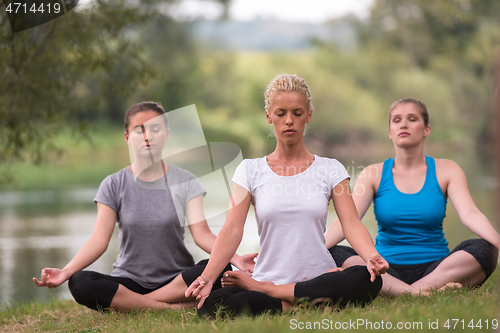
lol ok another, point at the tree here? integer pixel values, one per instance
(45, 73)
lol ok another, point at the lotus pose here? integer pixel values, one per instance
(153, 268)
(409, 194)
(290, 190)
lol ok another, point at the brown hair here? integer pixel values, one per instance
(419, 105)
(287, 83)
(142, 107)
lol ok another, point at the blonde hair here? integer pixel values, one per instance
(287, 83)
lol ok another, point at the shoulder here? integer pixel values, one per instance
(447, 167)
(179, 173)
(255, 161)
(252, 163)
(443, 163)
(448, 170)
(117, 177)
(328, 162)
(373, 171)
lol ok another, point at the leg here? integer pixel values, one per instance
(171, 292)
(345, 256)
(460, 267)
(174, 290)
(244, 281)
(351, 285)
(353, 261)
(126, 299)
(393, 286)
(237, 301)
(99, 291)
(470, 263)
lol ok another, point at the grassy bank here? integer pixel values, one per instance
(462, 310)
(81, 161)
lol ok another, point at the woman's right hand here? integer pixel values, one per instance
(52, 278)
(200, 289)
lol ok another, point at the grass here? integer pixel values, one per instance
(415, 313)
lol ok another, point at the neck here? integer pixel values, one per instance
(146, 171)
(409, 158)
(290, 153)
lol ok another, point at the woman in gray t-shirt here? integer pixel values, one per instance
(149, 202)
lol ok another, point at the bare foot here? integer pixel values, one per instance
(286, 306)
(426, 292)
(242, 280)
(451, 285)
(178, 306)
(336, 269)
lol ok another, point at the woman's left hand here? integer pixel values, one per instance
(376, 265)
(245, 263)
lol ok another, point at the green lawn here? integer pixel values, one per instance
(463, 311)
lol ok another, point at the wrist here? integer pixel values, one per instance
(67, 272)
(234, 259)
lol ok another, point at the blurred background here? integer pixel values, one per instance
(65, 86)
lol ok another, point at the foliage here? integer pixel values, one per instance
(93, 62)
(42, 68)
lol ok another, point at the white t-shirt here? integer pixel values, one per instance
(291, 217)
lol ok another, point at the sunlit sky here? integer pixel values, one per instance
(312, 11)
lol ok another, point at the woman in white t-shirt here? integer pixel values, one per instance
(290, 190)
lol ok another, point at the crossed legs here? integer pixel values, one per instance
(459, 267)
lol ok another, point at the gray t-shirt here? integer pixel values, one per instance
(150, 219)
(291, 217)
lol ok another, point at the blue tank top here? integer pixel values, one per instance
(410, 226)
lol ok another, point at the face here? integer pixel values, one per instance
(147, 133)
(288, 113)
(407, 126)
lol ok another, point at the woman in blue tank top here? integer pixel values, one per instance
(409, 194)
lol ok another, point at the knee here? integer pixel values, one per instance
(78, 284)
(215, 303)
(361, 278)
(87, 288)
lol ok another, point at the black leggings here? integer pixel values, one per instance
(485, 254)
(351, 285)
(96, 290)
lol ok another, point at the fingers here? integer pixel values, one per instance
(192, 289)
(201, 300)
(38, 283)
(380, 265)
(372, 276)
(43, 279)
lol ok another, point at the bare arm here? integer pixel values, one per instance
(356, 233)
(205, 239)
(362, 195)
(460, 197)
(225, 245)
(90, 252)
